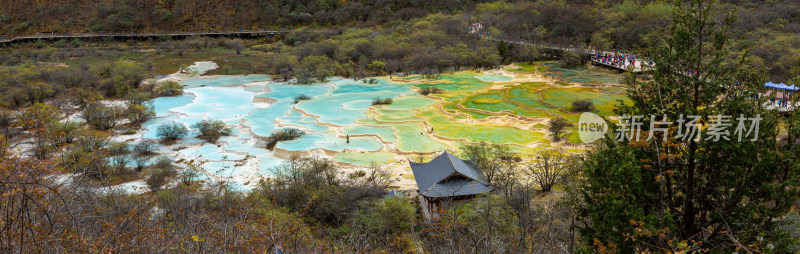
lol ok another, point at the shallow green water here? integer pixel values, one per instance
(412, 137)
(565, 96)
(494, 78)
(409, 102)
(386, 133)
(366, 159)
(395, 115)
(582, 74)
(479, 133)
(495, 102)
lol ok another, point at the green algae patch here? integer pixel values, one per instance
(532, 86)
(576, 150)
(518, 149)
(494, 101)
(532, 68)
(417, 122)
(367, 159)
(573, 137)
(411, 137)
(410, 77)
(476, 115)
(582, 74)
(563, 97)
(408, 136)
(457, 82)
(528, 95)
(539, 126)
(613, 90)
(482, 133)
(487, 101)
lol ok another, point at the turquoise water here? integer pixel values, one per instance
(227, 104)
(162, 105)
(262, 120)
(340, 102)
(150, 127)
(211, 152)
(349, 101)
(256, 88)
(329, 141)
(409, 103)
(384, 132)
(201, 67)
(224, 81)
(492, 78)
(303, 122)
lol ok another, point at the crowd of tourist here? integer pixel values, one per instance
(475, 27)
(618, 59)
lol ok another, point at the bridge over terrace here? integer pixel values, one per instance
(640, 65)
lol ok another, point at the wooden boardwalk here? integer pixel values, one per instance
(133, 35)
(638, 67)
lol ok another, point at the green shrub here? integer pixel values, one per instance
(384, 216)
(76, 43)
(572, 59)
(101, 117)
(144, 148)
(301, 97)
(583, 106)
(60, 43)
(137, 98)
(169, 132)
(557, 127)
(138, 114)
(160, 173)
(382, 101)
(211, 130)
(428, 91)
(169, 88)
(283, 135)
(39, 44)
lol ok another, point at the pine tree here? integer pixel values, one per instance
(687, 194)
(503, 51)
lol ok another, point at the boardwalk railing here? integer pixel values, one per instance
(49, 36)
(638, 67)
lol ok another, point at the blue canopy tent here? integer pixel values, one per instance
(788, 91)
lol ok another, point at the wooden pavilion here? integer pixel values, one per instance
(447, 177)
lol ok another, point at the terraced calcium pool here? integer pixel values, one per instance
(491, 78)
(472, 107)
(582, 74)
(366, 159)
(563, 97)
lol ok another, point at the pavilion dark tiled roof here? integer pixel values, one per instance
(448, 176)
